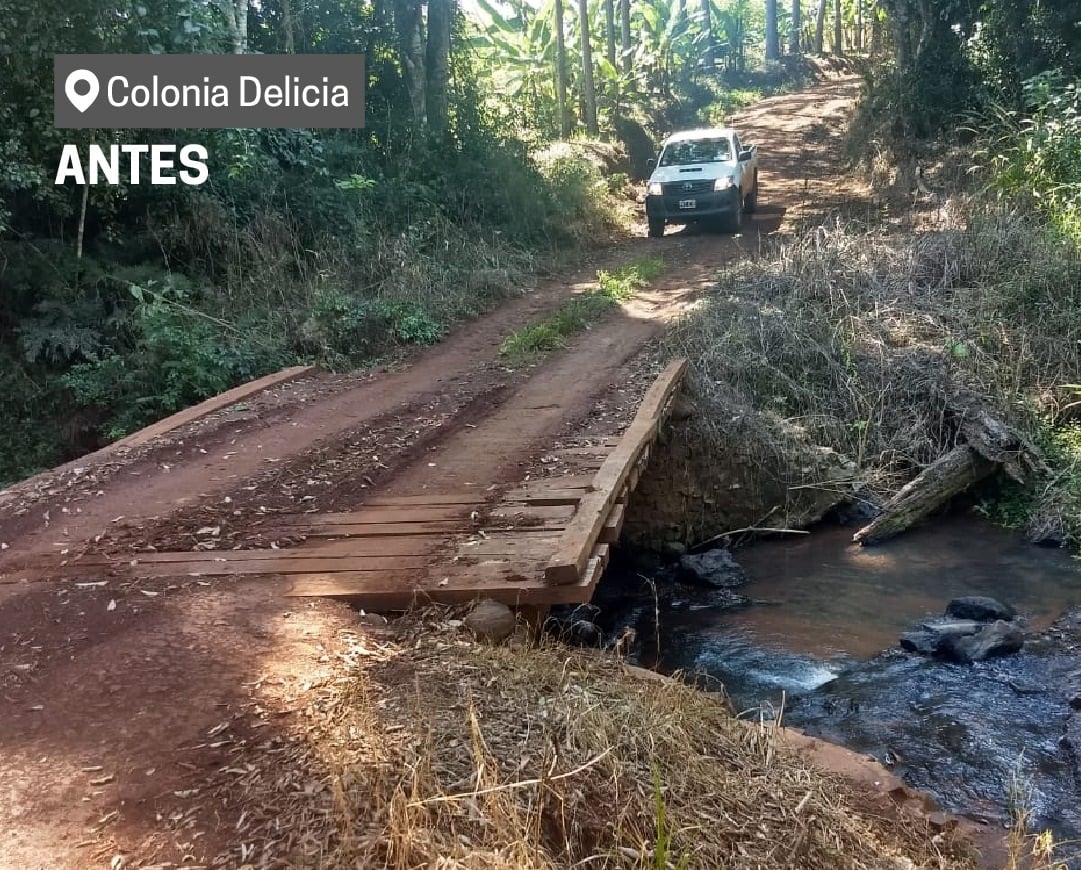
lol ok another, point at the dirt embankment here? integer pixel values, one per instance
(200, 722)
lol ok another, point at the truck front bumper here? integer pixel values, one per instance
(693, 206)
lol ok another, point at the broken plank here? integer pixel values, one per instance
(583, 531)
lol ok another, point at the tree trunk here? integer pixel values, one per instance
(561, 73)
(589, 89)
(797, 25)
(876, 33)
(236, 22)
(859, 26)
(707, 27)
(82, 223)
(773, 48)
(287, 27)
(838, 33)
(937, 484)
(438, 64)
(820, 26)
(991, 445)
(409, 25)
(610, 30)
(625, 34)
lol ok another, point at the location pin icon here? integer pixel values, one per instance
(82, 102)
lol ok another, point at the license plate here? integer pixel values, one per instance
(688, 203)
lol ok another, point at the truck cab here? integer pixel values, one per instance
(702, 175)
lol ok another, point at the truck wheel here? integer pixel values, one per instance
(656, 228)
(750, 201)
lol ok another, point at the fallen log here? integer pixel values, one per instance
(934, 486)
(991, 437)
(990, 445)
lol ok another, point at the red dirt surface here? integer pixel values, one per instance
(122, 701)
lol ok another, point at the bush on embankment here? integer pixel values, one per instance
(852, 338)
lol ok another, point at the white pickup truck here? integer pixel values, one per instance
(702, 175)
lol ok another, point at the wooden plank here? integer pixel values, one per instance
(363, 530)
(319, 549)
(557, 481)
(513, 584)
(400, 514)
(223, 568)
(613, 525)
(569, 561)
(553, 497)
(477, 497)
(523, 512)
(600, 450)
(538, 547)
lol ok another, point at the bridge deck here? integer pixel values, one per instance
(540, 542)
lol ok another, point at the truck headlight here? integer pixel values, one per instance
(654, 189)
(724, 182)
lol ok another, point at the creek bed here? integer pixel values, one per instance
(821, 638)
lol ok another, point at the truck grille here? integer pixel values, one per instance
(681, 188)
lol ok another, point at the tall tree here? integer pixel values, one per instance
(838, 32)
(773, 47)
(589, 89)
(438, 64)
(820, 26)
(625, 34)
(796, 26)
(236, 23)
(610, 30)
(287, 26)
(707, 29)
(409, 24)
(561, 72)
(859, 26)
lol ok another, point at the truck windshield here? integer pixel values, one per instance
(697, 151)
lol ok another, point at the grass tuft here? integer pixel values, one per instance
(581, 311)
(853, 338)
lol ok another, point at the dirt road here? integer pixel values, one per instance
(130, 712)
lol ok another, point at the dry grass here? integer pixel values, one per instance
(436, 752)
(852, 338)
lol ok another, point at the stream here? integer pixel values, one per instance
(820, 639)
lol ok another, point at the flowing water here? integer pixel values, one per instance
(821, 638)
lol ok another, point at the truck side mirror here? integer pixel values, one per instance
(651, 164)
(746, 154)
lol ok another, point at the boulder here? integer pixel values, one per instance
(979, 607)
(928, 637)
(999, 638)
(714, 568)
(491, 621)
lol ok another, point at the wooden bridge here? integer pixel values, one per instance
(537, 543)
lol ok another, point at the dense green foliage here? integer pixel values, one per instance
(120, 304)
